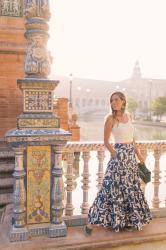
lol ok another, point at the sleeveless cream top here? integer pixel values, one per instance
(123, 132)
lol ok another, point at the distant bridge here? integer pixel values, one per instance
(92, 110)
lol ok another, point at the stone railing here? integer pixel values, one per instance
(78, 158)
(74, 151)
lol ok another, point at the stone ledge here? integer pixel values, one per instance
(6, 167)
(6, 182)
(6, 198)
(75, 220)
(152, 235)
(6, 154)
(101, 238)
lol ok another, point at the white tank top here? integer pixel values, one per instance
(123, 132)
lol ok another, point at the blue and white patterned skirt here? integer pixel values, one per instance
(120, 201)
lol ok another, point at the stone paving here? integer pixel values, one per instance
(152, 237)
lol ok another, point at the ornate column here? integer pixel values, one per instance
(57, 227)
(85, 187)
(156, 182)
(19, 198)
(38, 130)
(37, 63)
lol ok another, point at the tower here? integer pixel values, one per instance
(136, 71)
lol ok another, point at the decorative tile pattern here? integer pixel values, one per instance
(37, 101)
(11, 8)
(38, 184)
(38, 123)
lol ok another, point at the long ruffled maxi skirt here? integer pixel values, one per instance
(120, 201)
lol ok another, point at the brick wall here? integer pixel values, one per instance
(12, 54)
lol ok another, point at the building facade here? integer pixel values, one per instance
(92, 96)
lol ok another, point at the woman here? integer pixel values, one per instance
(120, 203)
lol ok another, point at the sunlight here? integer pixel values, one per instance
(102, 39)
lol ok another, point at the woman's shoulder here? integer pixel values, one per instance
(108, 118)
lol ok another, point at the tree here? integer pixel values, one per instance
(132, 104)
(159, 106)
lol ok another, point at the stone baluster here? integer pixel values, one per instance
(19, 231)
(76, 163)
(57, 196)
(85, 181)
(69, 181)
(100, 174)
(156, 182)
(76, 169)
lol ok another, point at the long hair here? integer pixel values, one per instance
(123, 108)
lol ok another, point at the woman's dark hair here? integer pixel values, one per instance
(123, 98)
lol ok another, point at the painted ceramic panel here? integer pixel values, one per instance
(38, 184)
(37, 101)
(11, 8)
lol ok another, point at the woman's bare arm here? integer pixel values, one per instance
(138, 153)
(107, 133)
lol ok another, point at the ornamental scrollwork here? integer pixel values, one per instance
(38, 59)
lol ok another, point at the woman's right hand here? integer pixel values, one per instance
(113, 153)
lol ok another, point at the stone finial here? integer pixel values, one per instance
(74, 119)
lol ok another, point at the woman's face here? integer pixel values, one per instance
(116, 103)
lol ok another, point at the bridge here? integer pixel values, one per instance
(90, 107)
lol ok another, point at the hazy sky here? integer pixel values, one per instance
(102, 39)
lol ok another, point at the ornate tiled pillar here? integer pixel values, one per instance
(19, 198)
(38, 131)
(57, 196)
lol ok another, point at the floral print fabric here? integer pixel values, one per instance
(120, 201)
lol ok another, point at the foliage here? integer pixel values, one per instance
(132, 104)
(159, 106)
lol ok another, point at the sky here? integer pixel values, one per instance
(102, 39)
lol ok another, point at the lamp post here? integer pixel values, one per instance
(70, 97)
(150, 98)
(70, 92)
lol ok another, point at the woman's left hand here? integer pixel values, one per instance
(140, 158)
